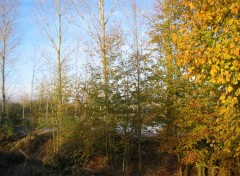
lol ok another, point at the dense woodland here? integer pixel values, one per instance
(140, 87)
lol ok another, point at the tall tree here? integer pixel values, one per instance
(9, 40)
(52, 18)
(97, 21)
(138, 72)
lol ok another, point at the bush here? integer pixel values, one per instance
(6, 129)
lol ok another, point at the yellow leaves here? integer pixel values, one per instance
(213, 80)
(234, 101)
(191, 5)
(222, 97)
(173, 27)
(223, 110)
(227, 76)
(236, 64)
(185, 2)
(186, 76)
(198, 78)
(218, 48)
(220, 80)
(169, 57)
(236, 52)
(190, 69)
(238, 131)
(211, 2)
(229, 89)
(181, 30)
(174, 37)
(235, 8)
(205, 48)
(209, 16)
(203, 60)
(237, 93)
(213, 71)
(238, 76)
(226, 56)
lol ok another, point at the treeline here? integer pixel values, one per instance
(177, 68)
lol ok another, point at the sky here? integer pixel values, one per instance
(32, 42)
(21, 79)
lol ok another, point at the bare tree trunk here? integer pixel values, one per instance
(59, 86)
(139, 115)
(8, 41)
(105, 72)
(103, 51)
(59, 65)
(31, 101)
(47, 107)
(200, 170)
(23, 111)
(49, 12)
(3, 69)
(3, 86)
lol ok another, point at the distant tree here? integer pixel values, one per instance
(9, 40)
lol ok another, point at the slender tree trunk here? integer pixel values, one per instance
(186, 171)
(103, 52)
(59, 78)
(23, 111)
(139, 115)
(200, 170)
(126, 140)
(47, 107)
(31, 99)
(181, 170)
(3, 74)
(105, 73)
(213, 171)
(59, 66)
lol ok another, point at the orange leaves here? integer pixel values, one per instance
(174, 37)
(188, 4)
(191, 5)
(191, 157)
(236, 51)
(173, 27)
(206, 45)
(213, 71)
(206, 48)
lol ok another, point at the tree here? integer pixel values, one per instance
(207, 42)
(9, 40)
(192, 107)
(168, 85)
(97, 30)
(53, 21)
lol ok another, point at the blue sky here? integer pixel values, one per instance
(21, 76)
(32, 41)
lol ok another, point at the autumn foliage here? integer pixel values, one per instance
(162, 95)
(203, 39)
